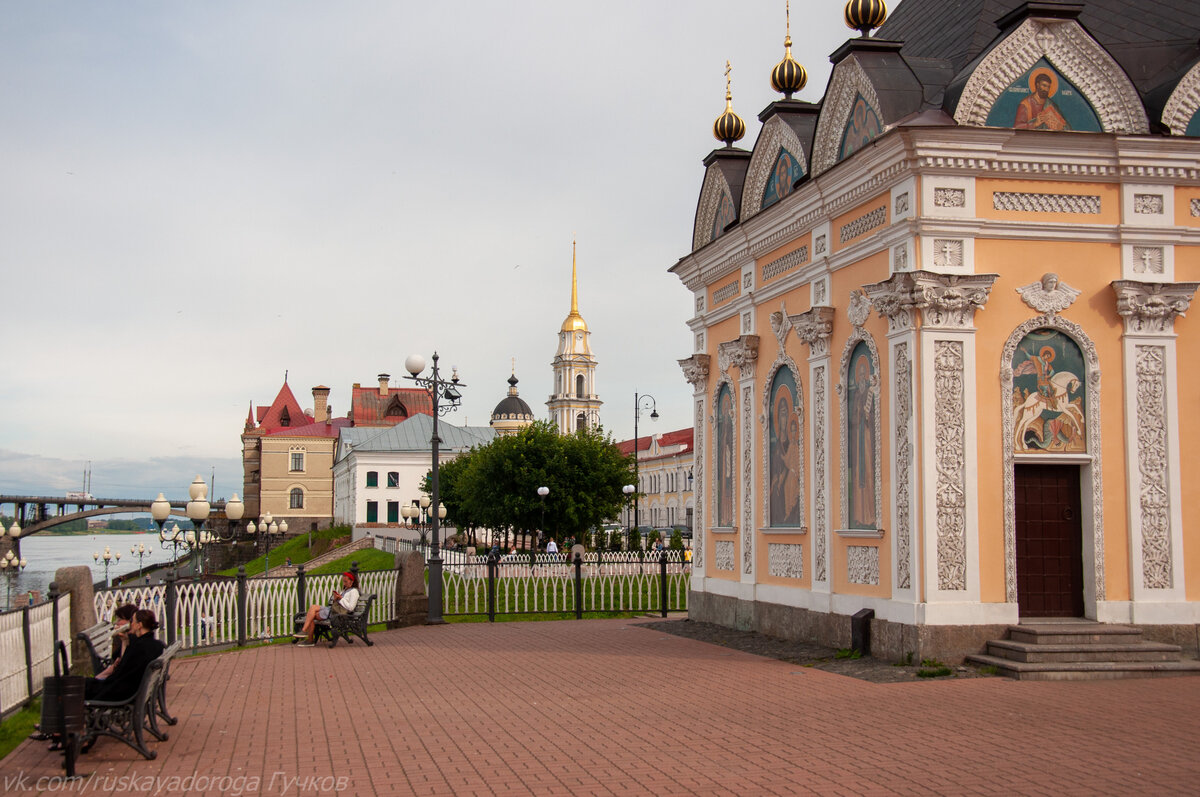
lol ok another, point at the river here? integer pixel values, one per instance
(45, 553)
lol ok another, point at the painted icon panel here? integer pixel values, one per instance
(725, 458)
(1049, 400)
(724, 217)
(783, 178)
(860, 129)
(860, 440)
(1042, 99)
(1193, 128)
(784, 450)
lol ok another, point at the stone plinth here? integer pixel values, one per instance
(412, 605)
(77, 581)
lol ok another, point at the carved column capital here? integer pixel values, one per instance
(949, 301)
(742, 353)
(695, 370)
(894, 300)
(814, 328)
(1150, 308)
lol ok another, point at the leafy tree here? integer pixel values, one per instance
(676, 543)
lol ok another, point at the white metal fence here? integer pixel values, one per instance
(27, 642)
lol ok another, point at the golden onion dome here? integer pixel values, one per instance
(729, 127)
(788, 76)
(862, 15)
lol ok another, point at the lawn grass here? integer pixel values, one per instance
(295, 549)
(16, 728)
(367, 558)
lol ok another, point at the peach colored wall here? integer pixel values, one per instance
(1183, 208)
(1187, 269)
(775, 254)
(1110, 200)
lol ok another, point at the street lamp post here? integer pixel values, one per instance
(141, 552)
(197, 512)
(628, 489)
(637, 412)
(267, 529)
(108, 556)
(542, 493)
(446, 397)
(11, 567)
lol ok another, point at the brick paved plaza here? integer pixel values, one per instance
(606, 707)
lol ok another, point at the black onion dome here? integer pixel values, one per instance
(729, 127)
(788, 76)
(862, 15)
(512, 406)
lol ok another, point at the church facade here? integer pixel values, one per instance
(940, 351)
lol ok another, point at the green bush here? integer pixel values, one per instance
(676, 543)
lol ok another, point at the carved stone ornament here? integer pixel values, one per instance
(785, 560)
(698, 484)
(893, 299)
(747, 483)
(948, 301)
(775, 135)
(1153, 451)
(1149, 260)
(740, 353)
(859, 308)
(862, 564)
(715, 187)
(1150, 308)
(820, 474)
(723, 557)
(695, 370)
(1051, 295)
(1183, 103)
(902, 407)
(781, 325)
(848, 81)
(819, 246)
(1077, 57)
(950, 460)
(814, 328)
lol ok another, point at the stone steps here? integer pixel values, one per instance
(1081, 650)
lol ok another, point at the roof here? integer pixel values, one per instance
(284, 413)
(413, 434)
(312, 429)
(369, 408)
(679, 437)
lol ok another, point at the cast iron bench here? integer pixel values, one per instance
(341, 625)
(98, 639)
(127, 720)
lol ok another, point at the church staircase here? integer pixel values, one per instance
(1081, 650)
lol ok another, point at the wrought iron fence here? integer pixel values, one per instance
(27, 639)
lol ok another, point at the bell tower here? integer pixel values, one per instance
(574, 403)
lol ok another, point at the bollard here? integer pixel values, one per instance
(578, 587)
(241, 605)
(860, 631)
(169, 607)
(491, 586)
(303, 607)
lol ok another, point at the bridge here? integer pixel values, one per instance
(36, 513)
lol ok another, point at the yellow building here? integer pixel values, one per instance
(939, 329)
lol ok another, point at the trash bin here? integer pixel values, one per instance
(63, 712)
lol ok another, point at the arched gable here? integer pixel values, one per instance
(776, 136)
(848, 83)
(713, 195)
(1074, 54)
(1182, 112)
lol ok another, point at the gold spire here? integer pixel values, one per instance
(788, 76)
(574, 320)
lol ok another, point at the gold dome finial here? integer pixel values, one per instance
(574, 320)
(788, 76)
(729, 127)
(862, 15)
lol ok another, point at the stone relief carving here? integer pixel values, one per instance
(1148, 260)
(860, 335)
(715, 187)
(699, 341)
(901, 204)
(849, 80)
(820, 519)
(698, 486)
(748, 280)
(1074, 54)
(904, 464)
(747, 322)
(1182, 105)
(776, 134)
(948, 253)
(785, 560)
(863, 224)
(858, 309)
(1148, 204)
(950, 458)
(727, 291)
(796, 257)
(1050, 295)
(695, 370)
(820, 245)
(949, 301)
(699, 304)
(1046, 203)
(723, 555)
(950, 197)
(1150, 308)
(814, 327)
(1195, 205)
(1154, 498)
(747, 476)
(781, 325)
(819, 289)
(862, 564)
(1092, 360)
(740, 353)
(900, 257)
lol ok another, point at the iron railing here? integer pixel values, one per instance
(28, 637)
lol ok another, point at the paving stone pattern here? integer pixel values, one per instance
(602, 707)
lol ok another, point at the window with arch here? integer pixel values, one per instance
(725, 463)
(783, 447)
(579, 386)
(860, 439)
(297, 460)
(580, 422)
(297, 498)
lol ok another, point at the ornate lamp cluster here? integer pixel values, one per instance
(197, 511)
(10, 564)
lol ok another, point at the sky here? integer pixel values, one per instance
(197, 198)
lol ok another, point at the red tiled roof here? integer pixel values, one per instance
(643, 441)
(680, 437)
(312, 429)
(284, 406)
(368, 408)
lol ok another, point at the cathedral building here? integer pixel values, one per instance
(574, 404)
(939, 329)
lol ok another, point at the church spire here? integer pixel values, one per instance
(574, 320)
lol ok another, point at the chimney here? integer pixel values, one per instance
(320, 403)
(383, 384)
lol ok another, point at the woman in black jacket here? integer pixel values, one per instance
(126, 677)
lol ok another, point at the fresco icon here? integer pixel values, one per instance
(783, 178)
(1049, 395)
(860, 439)
(1042, 99)
(725, 217)
(863, 126)
(784, 451)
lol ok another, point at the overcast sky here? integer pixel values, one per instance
(198, 197)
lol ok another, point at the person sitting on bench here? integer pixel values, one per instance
(342, 603)
(120, 637)
(126, 677)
